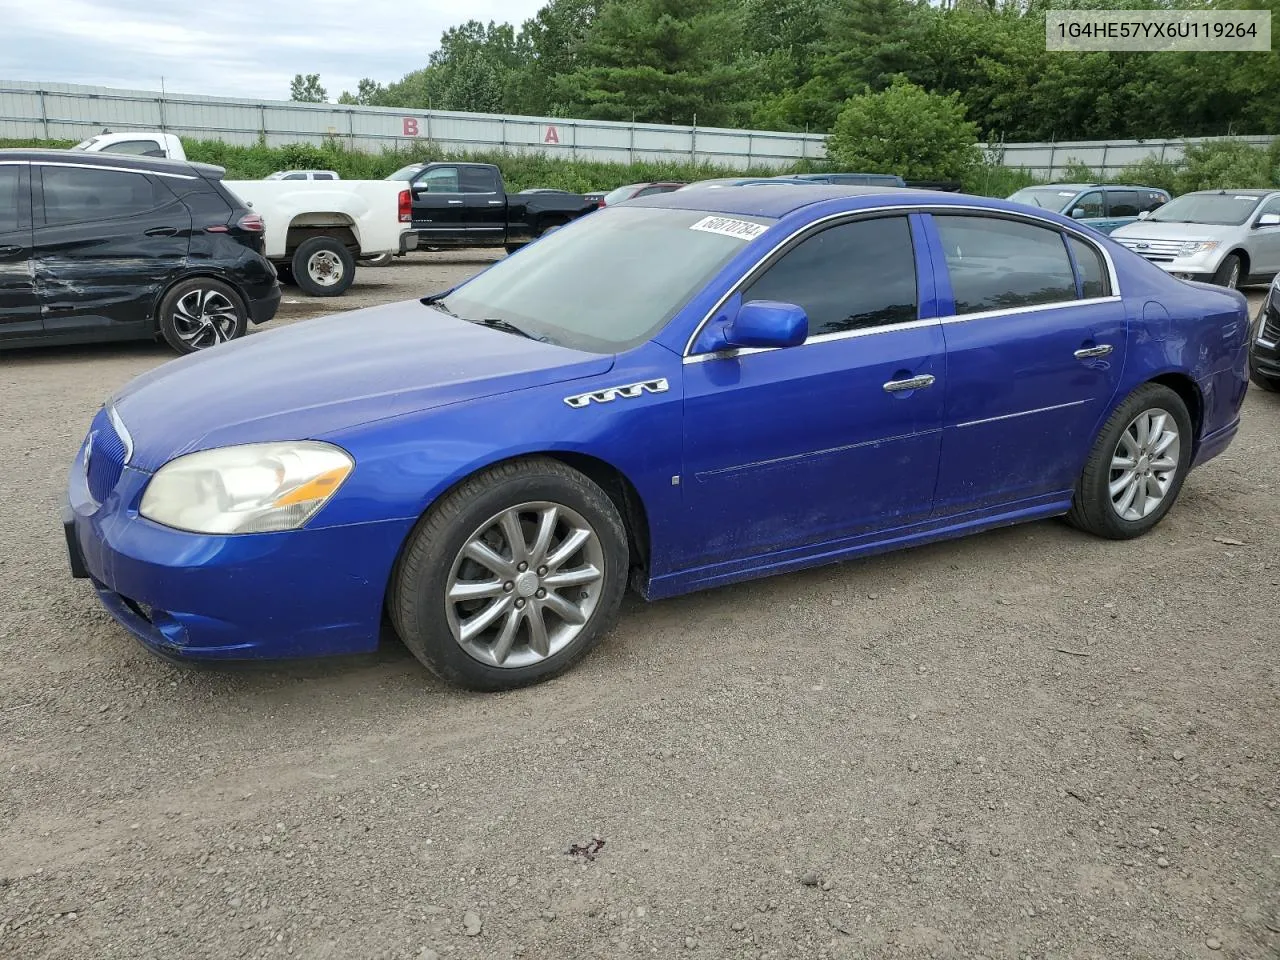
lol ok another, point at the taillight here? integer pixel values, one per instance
(406, 207)
(251, 223)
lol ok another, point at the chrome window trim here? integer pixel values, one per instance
(906, 211)
(13, 163)
(103, 166)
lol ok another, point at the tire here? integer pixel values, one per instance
(433, 560)
(512, 247)
(323, 267)
(1261, 380)
(381, 260)
(284, 273)
(1093, 508)
(200, 313)
(551, 228)
(1230, 272)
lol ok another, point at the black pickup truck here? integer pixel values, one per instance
(467, 205)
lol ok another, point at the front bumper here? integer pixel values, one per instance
(302, 593)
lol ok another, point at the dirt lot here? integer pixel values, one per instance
(1025, 744)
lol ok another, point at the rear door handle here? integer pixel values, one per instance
(912, 383)
(495, 203)
(8, 253)
(455, 201)
(1101, 350)
(162, 232)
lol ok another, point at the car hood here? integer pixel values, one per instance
(309, 379)
(1158, 230)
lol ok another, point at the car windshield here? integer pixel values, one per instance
(1220, 209)
(609, 281)
(622, 193)
(1050, 198)
(406, 173)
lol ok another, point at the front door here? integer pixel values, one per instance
(107, 243)
(1266, 241)
(786, 449)
(484, 205)
(19, 308)
(1035, 346)
(438, 205)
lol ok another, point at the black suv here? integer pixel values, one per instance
(97, 247)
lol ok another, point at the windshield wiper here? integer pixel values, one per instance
(506, 326)
(437, 303)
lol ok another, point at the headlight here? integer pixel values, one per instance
(1197, 246)
(253, 488)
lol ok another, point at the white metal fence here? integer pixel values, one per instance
(72, 112)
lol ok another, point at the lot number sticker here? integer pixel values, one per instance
(727, 226)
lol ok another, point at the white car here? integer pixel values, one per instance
(135, 143)
(303, 175)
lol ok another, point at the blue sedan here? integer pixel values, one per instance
(675, 393)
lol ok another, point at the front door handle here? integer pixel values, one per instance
(455, 201)
(912, 383)
(495, 203)
(8, 253)
(1101, 350)
(162, 232)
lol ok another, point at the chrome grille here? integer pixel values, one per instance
(1158, 251)
(106, 452)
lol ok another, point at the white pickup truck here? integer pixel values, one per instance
(316, 230)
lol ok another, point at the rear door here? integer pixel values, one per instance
(484, 204)
(438, 205)
(108, 241)
(19, 308)
(1035, 341)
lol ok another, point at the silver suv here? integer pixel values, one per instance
(1227, 237)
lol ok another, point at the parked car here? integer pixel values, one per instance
(317, 230)
(135, 143)
(99, 247)
(303, 175)
(679, 392)
(1103, 206)
(633, 190)
(467, 205)
(1227, 237)
(1264, 346)
(849, 179)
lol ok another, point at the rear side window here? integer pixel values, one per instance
(478, 180)
(1150, 200)
(13, 203)
(135, 148)
(1094, 281)
(74, 194)
(997, 264)
(325, 176)
(1123, 203)
(848, 277)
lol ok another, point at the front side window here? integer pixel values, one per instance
(74, 194)
(998, 264)
(11, 199)
(294, 176)
(1271, 206)
(1091, 204)
(439, 180)
(848, 277)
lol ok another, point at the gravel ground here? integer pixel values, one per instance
(1029, 743)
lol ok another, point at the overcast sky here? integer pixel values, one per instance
(246, 48)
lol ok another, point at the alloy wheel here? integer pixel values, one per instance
(1144, 464)
(525, 584)
(204, 317)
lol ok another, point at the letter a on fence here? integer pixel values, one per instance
(551, 136)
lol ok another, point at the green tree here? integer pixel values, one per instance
(306, 88)
(905, 130)
(550, 46)
(369, 93)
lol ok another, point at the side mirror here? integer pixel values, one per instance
(1077, 213)
(1143, 214)
(1268, 220)
(767, 323)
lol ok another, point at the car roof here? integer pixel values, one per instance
(780, 198)
(1246, 192)
(119, 160)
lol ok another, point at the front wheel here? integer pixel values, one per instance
(1228, 272)
(323, 267)
(1137, 466)
(511, 578)
(201, 313)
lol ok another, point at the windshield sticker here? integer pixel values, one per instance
(728, 227)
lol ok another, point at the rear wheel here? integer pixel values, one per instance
(1228, 272)
(201, 313)
(511, 578)
(381, 260)
(1137, 466)
(323, 267)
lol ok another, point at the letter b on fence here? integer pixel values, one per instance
(410, 126)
